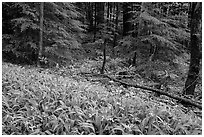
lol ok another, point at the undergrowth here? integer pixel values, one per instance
(38, 102)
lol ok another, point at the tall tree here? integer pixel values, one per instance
(195, 26)
(41, 32)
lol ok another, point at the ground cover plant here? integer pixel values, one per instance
(40, 102)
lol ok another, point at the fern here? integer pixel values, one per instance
(62, 29)
(147, 17)
(167, 36)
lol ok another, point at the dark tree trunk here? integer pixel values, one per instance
(116, 27)
(127, 16)
(134, 59)
(104, 57)
(111, 13)
(41, 33)
(95, 21)
(196, 9)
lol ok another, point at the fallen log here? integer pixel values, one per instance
(181, 99)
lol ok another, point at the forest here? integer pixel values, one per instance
(101, 68)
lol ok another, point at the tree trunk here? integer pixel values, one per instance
(95, 21)
(116, 28)
(127, 16)
(90, 15)
(194, 67)
(104, 57)
(134, 59)
(41, 33)
(107, 14)
(111, 14)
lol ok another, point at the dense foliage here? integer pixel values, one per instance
(158, 37)
(41, 102)
(156, 31)
(62, 31)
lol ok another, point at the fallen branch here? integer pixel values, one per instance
(181, 99)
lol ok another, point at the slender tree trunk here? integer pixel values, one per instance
(41, 33)
(104, 57)
(134, 59)
(111, 13)
(95, 21)
(90, 15)
(116, 28)
(196, 10)
(108, 12)
(133, 24)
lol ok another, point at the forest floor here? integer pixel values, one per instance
(41, 101)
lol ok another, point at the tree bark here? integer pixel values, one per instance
(193, 74)
(41, 33)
